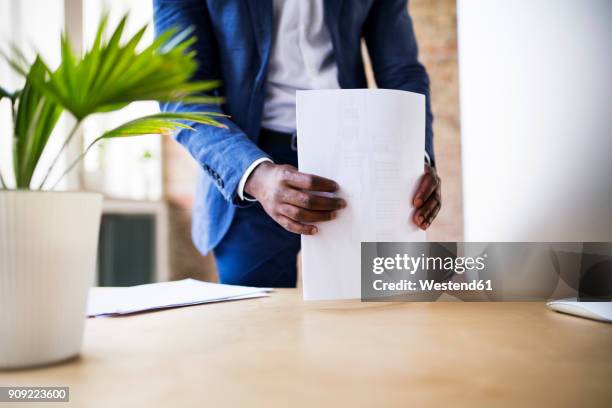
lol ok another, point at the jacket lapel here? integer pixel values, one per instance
(333, 12)
(262, 21)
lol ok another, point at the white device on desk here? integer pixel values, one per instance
(601, 311)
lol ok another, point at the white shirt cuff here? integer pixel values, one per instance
(427, 159)
(246, 175)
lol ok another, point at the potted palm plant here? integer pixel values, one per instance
(48, 239)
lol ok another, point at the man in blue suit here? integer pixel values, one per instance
(251, 202)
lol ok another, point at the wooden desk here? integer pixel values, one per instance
(280, 351)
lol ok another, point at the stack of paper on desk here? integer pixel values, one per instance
(154, 296)
(371, 142)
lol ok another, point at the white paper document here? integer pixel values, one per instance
(163, 295)
(372, 142)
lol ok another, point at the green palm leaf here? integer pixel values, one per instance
(165, 124)
(162, 124)
(114, 73)
(35, 119)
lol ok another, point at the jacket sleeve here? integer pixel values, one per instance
(224, 154)
(393, 50)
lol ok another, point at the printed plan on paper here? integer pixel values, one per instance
(372, 142)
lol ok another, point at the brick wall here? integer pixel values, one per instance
(435, 25)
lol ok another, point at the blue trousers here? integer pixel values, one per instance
(256, 251)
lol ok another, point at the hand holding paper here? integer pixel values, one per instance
(374, 150)
(292, 198)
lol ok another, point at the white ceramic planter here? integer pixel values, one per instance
(48, 244)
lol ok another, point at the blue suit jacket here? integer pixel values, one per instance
(233, 44)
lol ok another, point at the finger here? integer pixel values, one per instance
(428, 217)
(309, 181)
(311, 201)
(420, 215)
(430, 206)
(427, 186)
(303, 215)
(295, 227)
(432, 216)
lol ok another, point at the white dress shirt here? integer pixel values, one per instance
(302, 57)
